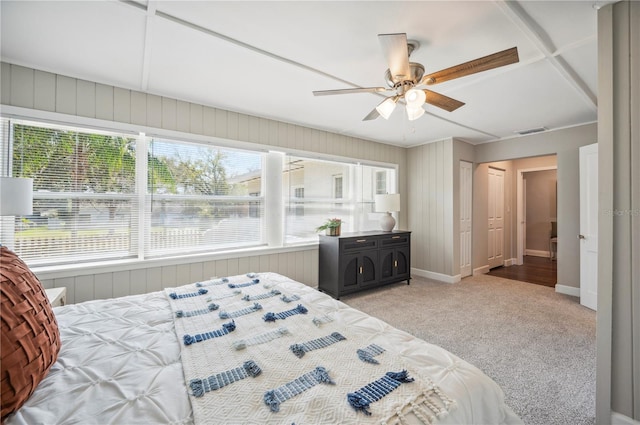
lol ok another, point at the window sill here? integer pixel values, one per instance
(72, 270)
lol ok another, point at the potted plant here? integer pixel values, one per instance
(331, 227)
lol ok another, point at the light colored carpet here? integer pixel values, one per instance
(538, 345)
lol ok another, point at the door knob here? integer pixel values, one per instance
(581, 237)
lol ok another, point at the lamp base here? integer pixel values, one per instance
(387, 222)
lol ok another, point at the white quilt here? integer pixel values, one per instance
(124, 361)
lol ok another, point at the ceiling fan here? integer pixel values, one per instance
(405, 79)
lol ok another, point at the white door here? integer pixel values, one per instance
(465, 218)
(588, 226)
(496, 217)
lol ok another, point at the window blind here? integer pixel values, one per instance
(202, 198)
(84, 194)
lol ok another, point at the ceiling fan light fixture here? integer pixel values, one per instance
(415, 98)
(414, 113)
(386, 107)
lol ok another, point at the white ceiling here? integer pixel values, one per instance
(265, 58)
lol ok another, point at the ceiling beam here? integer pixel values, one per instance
(538, 36)
(148, 42)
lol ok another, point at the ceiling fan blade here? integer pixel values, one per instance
(347, 91)
(505, 57)
(442, 101)
(372, 115)
(394, 47)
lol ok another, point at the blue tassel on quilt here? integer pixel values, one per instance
(243, 285)
(314, 344)
(366, 354)
(226, 328)
(211, 307)
(289, 299)
(175, 296)
(263, 296)
(374, 391)
(273, 398)
(222, 379)
(272, 317)
(241, 312)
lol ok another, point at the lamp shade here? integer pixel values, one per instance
(16, 196)
(388, 202)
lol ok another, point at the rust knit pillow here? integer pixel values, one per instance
(30, 336)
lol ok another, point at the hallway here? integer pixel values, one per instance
(538, 270)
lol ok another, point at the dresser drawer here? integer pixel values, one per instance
(358, 244)
(394, 240)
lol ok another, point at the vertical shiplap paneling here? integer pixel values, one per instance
(154, 279)
(283, 263)
(44, 91)
(299, 266)
(196, 123)
(22, 86)
(121, 283)
(103, 285)
(307, 142)
(169, 113)
(253, 129)
(208, 270)
(264, 263)
(84, 288)
(308, 268)
(47, 283)
(65, 95)
(104, 102)
(272, 138)
(169, 277)
(208, 121)
(121, 105)
(220, 123)
(254, 263)
(196, 272)
(183, 275)
(138, 108)
(154, 111)
(232, 125)
(283, 133)
(263, 136)
(431, 233)
(243, 265)
(183, 116)
(5, 87)
(232, 267)
(447, 172)
(70, 284)
(221, 268)
(243, 127)
(273, 263)
(138, 281)
(315, 263)
(440, 207)
(299, 137)
(86, 98)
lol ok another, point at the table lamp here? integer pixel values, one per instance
(387, 203)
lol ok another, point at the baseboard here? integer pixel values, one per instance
(510, 262)
(536, 253)
(481, 270)
(568, 290)
(436, 276)
(620, 419)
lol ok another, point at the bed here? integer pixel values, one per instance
(250, 349)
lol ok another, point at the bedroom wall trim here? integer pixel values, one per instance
(620, 419)
(435, 276)
(481, 270)
(510, 262)
(568, 290)
(536, 253)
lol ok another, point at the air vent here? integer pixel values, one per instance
(531, 131)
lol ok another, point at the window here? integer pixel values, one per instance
(84, 202)
(90, 202)
(381, 182)
(324, 182)
(106, 195)
(202, 197)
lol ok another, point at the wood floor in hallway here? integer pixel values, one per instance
(538, 270)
